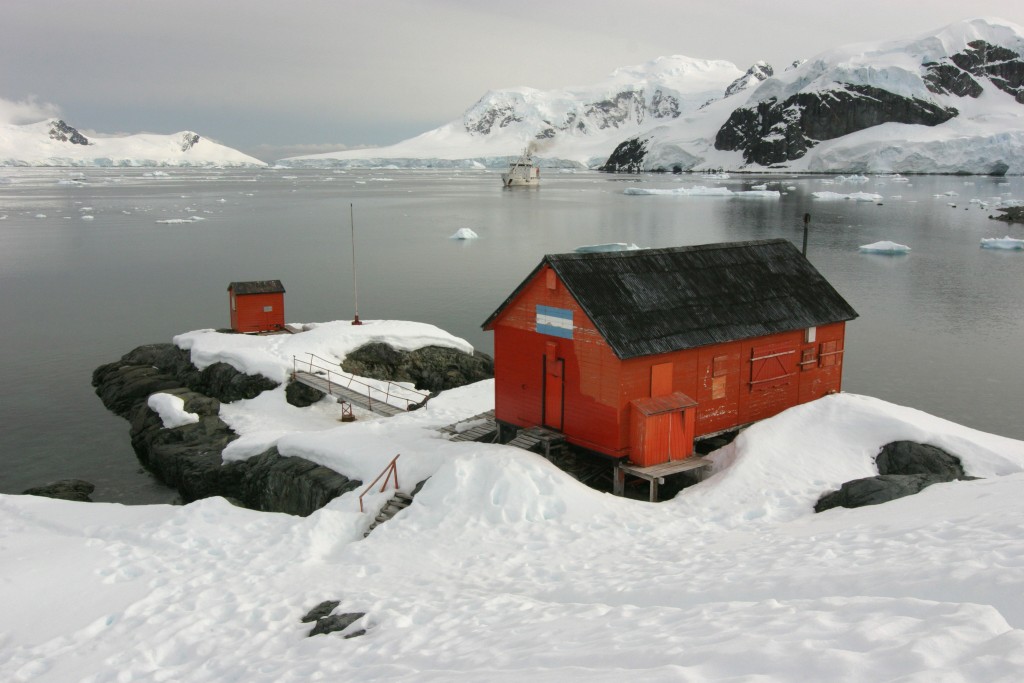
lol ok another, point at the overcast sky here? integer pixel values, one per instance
(280, 77)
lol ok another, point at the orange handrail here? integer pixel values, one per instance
(391, 469)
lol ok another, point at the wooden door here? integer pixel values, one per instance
(554, 387)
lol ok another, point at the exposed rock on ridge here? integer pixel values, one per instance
(65, 133)
(773, 132)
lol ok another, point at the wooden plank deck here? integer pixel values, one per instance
(655, 474)
(487, 430)
(345, 394)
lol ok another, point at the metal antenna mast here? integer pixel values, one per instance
(355, 285)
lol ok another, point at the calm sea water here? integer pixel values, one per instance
(940, 329)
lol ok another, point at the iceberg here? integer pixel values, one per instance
(464, 234)
(701, 191)
(854, 196)
(1002, 243)
(885, 247)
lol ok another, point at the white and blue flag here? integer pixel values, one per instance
(554, 321)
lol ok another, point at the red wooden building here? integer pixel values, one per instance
(634, 354)
(257, 306)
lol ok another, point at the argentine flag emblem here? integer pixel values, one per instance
(554, 321)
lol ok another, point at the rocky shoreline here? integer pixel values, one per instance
(188, 457)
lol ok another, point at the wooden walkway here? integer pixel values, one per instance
(655, 474)
(484, 429)
(346, 394)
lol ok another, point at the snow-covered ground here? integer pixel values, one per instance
(506, 569)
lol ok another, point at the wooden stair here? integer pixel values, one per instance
(538, 440)
(398, 502)
(345, 394)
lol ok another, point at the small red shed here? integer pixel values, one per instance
(257, 306)
(634, 354)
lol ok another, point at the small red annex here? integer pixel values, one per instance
(634, 354)
(257, 306)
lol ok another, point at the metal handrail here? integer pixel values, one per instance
(392, 468)
(347, 379)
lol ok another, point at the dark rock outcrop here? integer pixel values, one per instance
(1002, 66)
(338, 622)
(302, 395)
(1013, 214)
(188, 141)
(628, 157)
(65, 133)
(65, 489)
(189, 457)
(773, 132)
(320, 611)
(909, 457)
(876, 490)
(432, 368)
(905, 468)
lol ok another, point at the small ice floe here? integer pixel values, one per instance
(851, 178)
(69, 182)
(176, 221)
(899, 179)
(156, 174)
(853, 196)
(1002, 243)
(715, 176)
(88, 217)
(464, 234)
(4, 217)
(759, 188)
(951, 193)
(885, 247)
(609, 246)
(40, 215)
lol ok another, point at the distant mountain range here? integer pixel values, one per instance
(55, 143)
(950, 101)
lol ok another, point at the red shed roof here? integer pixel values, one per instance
(652, 301)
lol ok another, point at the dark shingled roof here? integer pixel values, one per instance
(654, 301)
(257, 287)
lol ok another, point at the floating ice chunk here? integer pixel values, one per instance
(609, 246)
(701, 191)
(716, 176)
(759, 187)
(40, 215)
(88, 217)
(464, 234)
(175, 221)
(852, 178)
(885, 247)
(171, 410)
(1002, 243)
(855, 196)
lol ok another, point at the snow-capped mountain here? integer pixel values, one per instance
(946, 102)
(55, 143)
(579, 125)
(950, 101)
